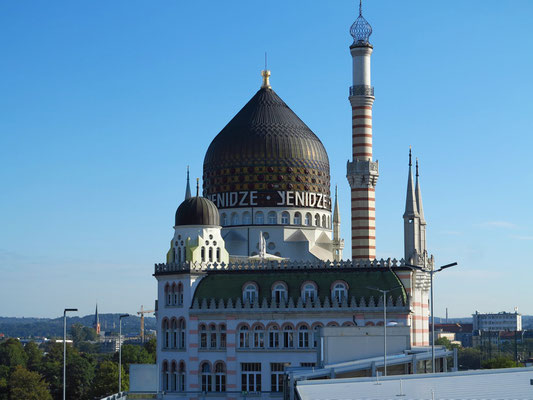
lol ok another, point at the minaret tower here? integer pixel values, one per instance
(362, 172)
(338, 243)
(411, 220)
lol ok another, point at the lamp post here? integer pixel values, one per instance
(384, 293)
(65, 349)
(120, 351)
(431, 272)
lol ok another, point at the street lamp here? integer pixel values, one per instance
(431, 272)
(120, 351)
(65, 349)
(384, 293)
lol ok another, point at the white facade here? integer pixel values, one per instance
(502, 321)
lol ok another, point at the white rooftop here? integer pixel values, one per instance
(511, 383)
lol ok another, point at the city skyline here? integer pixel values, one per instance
(106, 105)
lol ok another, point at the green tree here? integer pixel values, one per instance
(151, 347)
(12, 353)
(133, 354)
(82, 333)
(27, 385)
(4, 382)
(106, 379)
(469, 358)
(34, 356)
(444, 341)
(500, 362)
(80, 375)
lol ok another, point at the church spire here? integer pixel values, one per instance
(188, 187)
(411, 220)
(336, 215)
(338, 243)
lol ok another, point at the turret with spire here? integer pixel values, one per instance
(338, 243)
(96, 324)
(188, 187)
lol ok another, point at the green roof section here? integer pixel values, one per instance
(227, 286)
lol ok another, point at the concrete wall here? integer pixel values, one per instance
(342, 344)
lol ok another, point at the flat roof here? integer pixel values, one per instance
(492, 384)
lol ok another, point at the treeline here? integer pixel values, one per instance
(33, 372)
(53, 327)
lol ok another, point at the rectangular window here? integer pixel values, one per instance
(223, 340)
(288, 339)
(308, 364)
(203, 340)
(213, 340)
(273, 339)
(251, 377)
(277, 376)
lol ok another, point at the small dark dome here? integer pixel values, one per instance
(197, 211)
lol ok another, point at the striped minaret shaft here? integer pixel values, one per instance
(362, 172)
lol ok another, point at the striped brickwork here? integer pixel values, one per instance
(419, 305)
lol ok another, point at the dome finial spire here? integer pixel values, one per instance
(361, 29)
(197, 186)
(266, 79)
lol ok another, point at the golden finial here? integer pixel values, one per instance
(266, 82)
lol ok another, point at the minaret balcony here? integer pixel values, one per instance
(361, 90)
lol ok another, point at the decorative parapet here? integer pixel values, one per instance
(200, 267)
(271, 305)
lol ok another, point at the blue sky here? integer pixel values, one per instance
(104, 104)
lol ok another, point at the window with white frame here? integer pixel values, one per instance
(277, 375)
(222, 333)
(181, 377)
(273, 337)
(206, 377)
(309, 292)
(220, 377)
(180, 294)
(340, 292)
(244, 337)
(173, 377)
(303, 337)
(308, 219)
(234, 219)
(272, 218)
(174, 342)
(317, 220)
(203, 337)
(213, 336)
(297, 218)
(259, 337)
(285, 218)
(251, 377)
(166, 377)
(246, 218)
(166, 334)
(223, 219)
(288, 337)
(279, 293)
(168, 295)
(259, 218)
(324, 224)
(249, 293)
(182, 333)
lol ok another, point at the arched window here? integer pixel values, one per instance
(244, 337)
(249, 293)
(174, 343)
(177, 254)
(173, 377)
(259, 218)
(222, 332)
(181, 377)
(166, 334)
(174, 295)
(168, 295)
(324, 224)
(223, 219)
(234, 219)
(218, 254)
(288, 337)
(213, 336)
(203, 253)
(308, 219)
(272, 218)
(297, 218)
(279, 293)
(180, 294)
(246, 218)
(285, 218)
(273, 337)
(165, 375)
(303, 337)
(182, 333)
(339, 292)
(211, 254)
(259, 337)
(316, 335)
(206, 377)
(317, 220)
(308, 291)
(203, 337)
(220, 377)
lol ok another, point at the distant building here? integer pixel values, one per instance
(96, 324)
(502, 321)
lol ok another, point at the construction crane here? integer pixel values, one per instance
(141, 313)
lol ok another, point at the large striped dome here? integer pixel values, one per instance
(266, 147)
